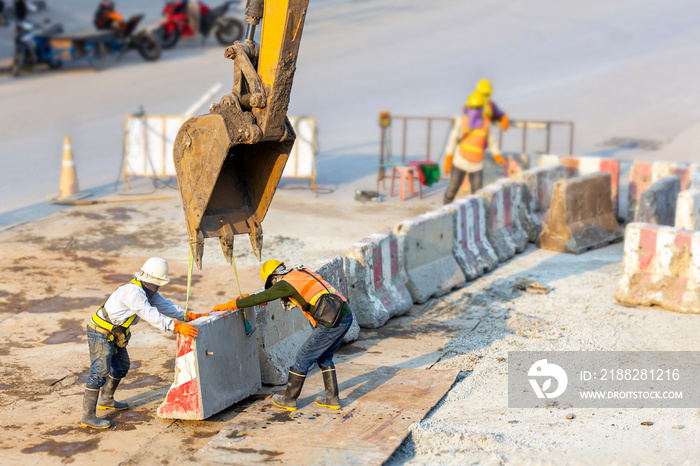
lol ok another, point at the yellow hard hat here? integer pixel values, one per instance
(484, 87)
(476, 100)
(267, 268)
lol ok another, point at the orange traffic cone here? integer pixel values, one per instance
(68, 188)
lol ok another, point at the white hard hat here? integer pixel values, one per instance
(154, 271)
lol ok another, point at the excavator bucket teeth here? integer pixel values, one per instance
(226, 187)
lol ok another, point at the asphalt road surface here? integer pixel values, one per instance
(623, 68)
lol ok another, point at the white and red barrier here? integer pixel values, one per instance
(503, 230)
(585, 165)
(375, 289)
(215, 370)
(644, 174)
(426, 263)
(470, 246)
(540, 181)
(661, 266)
(688, 210)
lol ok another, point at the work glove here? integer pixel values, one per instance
(499, 160)
(229, 306)
(505, 122)
(186, 329)
(448, 164)
(192, 316)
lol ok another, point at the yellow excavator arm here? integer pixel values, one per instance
(229, 162)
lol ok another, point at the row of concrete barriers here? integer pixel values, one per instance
(384, 274)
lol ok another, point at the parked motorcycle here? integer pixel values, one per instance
(32, 45)
(128, 38)
(226, 29)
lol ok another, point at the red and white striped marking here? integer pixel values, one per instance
(183, 396)
(661, 266)
(471, 247)
(688, 210)
(372, 270)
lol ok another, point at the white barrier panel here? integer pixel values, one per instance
(149, 140)
(301, 162)
(148, 144)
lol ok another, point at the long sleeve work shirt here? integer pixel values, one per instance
(131, 299)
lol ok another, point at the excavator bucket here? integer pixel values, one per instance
(229, 162)
(226, 188)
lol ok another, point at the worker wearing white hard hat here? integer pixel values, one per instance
(109, 330)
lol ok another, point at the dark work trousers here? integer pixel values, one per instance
(456, 179)
(321, 345)
(105, 359)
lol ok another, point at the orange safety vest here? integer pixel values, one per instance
(473, 144)
(309, 288)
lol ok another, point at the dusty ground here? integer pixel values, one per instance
(61, 268)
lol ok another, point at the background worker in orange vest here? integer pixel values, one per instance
(109, 331)
(304, 289)
(478, 114)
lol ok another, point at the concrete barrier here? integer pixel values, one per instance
(503, 229)
(426, 264)
(585, 165)
(661, 266)
(644, 174)
(581, 215)
(657, 205)
(375, 289)
(529, 220)
(215, 370)
(540, 181)
(282, 331)
(470, 246)
(688, 210)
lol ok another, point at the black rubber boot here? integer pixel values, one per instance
(107, 395)
(89, 403)
(330, 382)
(288, 401)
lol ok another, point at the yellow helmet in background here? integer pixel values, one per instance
(476, 100)
(267, 268)
(483, 87)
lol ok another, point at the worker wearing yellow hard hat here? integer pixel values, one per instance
(470, 141)
(328, 312)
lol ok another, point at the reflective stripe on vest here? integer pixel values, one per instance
(100, 322)
(474, 142)
(309, 289)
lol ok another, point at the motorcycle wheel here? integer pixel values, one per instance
(229, 30)
(148, 47)
(169, 39)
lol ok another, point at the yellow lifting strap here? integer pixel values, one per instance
(189, 279)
